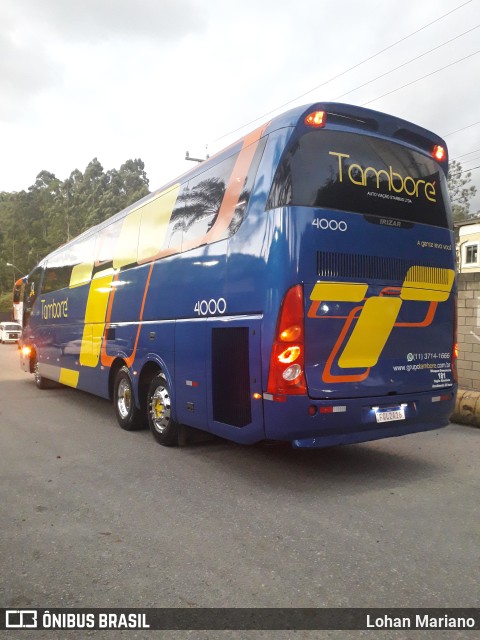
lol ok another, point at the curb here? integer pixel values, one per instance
(467, 408)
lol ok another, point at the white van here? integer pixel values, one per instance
(10, 331)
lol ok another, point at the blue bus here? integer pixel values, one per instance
(298, 286)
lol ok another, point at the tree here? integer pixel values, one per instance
(51, 211)
(46, 210)
(460, 191)
(134, 179)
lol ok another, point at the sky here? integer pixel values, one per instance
(151, 79)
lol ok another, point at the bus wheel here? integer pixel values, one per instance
(128, 416)
(165, 430)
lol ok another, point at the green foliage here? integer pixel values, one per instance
(460, 191)
(6, 302)
(52, 211)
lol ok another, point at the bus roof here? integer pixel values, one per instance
(353, 118)
(339, 116)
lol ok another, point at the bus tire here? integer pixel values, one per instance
(129, 417)
(159, 411)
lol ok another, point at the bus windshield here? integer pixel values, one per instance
(362, 174)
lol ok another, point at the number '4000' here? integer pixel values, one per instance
(210, 307)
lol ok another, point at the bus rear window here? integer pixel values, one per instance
(362, 174)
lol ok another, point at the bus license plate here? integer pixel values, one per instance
(389, 415)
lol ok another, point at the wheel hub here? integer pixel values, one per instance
(124, 399)
(160, 409)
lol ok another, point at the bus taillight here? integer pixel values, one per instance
(455, 340)
(454, 362)
(439, 153)
(286, 374)
(316, 119)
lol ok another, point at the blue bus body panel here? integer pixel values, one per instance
(354, 420)
(419, 338)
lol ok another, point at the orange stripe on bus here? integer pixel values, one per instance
(233, 192)
(235, 186)
(131, 358)
(230, 200)
(426, 322)
(105, 358)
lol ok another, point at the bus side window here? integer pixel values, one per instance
(126, 247)
(203, 199)
(207, 198)
(82, 260)
(105, 247)
(156, 216)
(57, 273)
(174, 232)
(32, 290)
(241, 208)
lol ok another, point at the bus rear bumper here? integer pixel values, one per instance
(349, 421)
(362, 436)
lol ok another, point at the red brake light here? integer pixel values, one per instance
(286, 375)
(439, 153)
(454, 362)
(316, 119)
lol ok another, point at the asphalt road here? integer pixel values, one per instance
(95, 516)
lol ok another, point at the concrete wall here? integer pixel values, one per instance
(469, 331)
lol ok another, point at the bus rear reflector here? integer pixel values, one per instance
(439, 153)
(332, 409)
(446, 396)
(316, 119)
(287, 361)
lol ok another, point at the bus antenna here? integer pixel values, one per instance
(187, 157)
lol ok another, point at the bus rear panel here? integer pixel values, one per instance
(368, 211)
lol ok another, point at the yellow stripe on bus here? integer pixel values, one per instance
(81, 274)
(69, 377)
(95, 320)
(428, 284)
(127, 243)
(156, 216)
(339, 291)
(370, 334)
